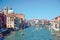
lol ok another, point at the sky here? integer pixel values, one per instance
(38, 9)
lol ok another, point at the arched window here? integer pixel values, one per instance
(56, 26)
(10, 26)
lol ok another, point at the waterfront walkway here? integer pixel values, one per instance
(30, 34)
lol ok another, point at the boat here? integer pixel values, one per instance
(16, 29)
(1, 37)
(36, 28)
(22, 33)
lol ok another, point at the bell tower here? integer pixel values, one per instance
(5, 10)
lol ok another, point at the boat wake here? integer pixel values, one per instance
(37, 29)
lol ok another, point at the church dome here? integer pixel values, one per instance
(10, 11)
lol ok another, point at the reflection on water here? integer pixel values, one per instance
(30, 34)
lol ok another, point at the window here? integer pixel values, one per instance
(56, 26)
(11, 19)
(5, 9)
(10, 25)
(8, 20)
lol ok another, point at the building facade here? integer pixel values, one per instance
(55, 23)
(2, 19)
(7, 18)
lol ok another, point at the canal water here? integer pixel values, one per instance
(30, 34)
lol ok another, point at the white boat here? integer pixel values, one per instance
(37, 28)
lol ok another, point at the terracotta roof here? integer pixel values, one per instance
(15, 15)
(57, 17)
(19, 15)
(10, 15)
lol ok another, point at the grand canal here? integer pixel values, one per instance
(30, 34)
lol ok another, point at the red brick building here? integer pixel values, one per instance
(2, 19)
